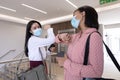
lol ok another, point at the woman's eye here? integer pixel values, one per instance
(35, 28)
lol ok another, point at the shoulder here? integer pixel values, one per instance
(95, 36)
(33, 39)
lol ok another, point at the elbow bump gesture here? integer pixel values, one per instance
(65, 37)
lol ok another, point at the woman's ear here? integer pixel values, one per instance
(31, 32)
(83, 13)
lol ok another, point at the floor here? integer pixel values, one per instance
(57, 72)
(110, 70)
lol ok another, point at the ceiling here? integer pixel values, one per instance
(54, 9)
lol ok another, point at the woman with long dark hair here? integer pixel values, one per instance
(84, 18)
(33, 42)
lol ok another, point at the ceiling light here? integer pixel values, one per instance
(108, 7)
(28, 18)
(34, 8)
(72, 4)
(7, 8)
(12, 19)
(57, 20)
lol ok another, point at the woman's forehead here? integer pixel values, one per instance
(76, 12)
(35, 24)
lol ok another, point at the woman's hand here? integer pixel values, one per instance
(61, 60)
(65, 37)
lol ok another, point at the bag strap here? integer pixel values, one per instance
(107, 48)
(42, 57)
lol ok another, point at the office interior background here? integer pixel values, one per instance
(15, 14)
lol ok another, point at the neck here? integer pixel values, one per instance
(83, 28)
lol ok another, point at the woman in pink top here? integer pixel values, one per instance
(86, 19)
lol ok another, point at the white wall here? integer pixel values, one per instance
(113, 37)
(101, 28)
(12, 36)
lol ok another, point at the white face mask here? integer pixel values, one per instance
(75, 23)
(37, 32)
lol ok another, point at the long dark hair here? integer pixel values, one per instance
(91, 16)
(28, 35)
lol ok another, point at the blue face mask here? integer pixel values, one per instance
(75, 22)
(37, 32)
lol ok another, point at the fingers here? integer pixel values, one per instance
(65, 37)
(68, 37)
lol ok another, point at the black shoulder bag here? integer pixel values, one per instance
(87, 55)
